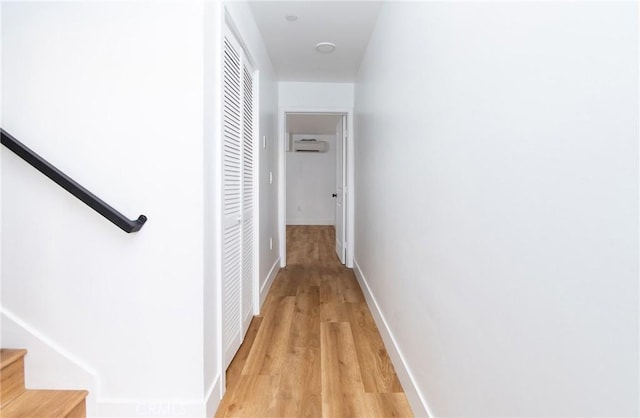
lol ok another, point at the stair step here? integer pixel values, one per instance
(18, 402)
(47, 404)
(11, 374)
(9, 355)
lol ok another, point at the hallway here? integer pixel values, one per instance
(315, 350)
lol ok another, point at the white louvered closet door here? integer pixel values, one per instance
(247, 199)
(238, 198)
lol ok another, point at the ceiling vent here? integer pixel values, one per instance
(310, 145)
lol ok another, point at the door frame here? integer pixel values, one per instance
(231, 28)
(282, 176)
(228, 27)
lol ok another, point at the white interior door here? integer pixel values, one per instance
(248, 199)
(238, 239)
(232, 202)
(341, 146)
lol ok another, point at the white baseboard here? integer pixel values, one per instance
(48, 365)
(416, 399)
(246, 321)
(269, 281)
(151, 408)
(325, 221)
(213, 398)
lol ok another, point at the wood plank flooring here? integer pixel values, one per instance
(315, 350)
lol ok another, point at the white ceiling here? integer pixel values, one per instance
(291, 45)
(312, 124)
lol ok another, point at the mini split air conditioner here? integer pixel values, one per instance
(310, 145)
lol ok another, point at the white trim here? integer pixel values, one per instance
(212, 402)
(257, 153)
(160, 408)
(218, 196)
(308, 221)
(246, 321)
(282, 173)
(416, 399)
(350, 221)
(267, 284)
(282, 188)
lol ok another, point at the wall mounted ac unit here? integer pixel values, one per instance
(310, 145)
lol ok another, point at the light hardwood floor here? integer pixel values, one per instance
(315, 350)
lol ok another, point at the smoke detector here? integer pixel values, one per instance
(325, 47)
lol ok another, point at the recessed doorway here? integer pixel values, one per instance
(314, 174)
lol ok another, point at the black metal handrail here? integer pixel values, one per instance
(70, 185)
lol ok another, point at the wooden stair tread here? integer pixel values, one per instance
(46, 404)
(10, 355)
(11, 375)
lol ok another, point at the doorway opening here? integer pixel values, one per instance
(316, 161)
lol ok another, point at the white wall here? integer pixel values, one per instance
(315, 95)
(311, 179)
(111, 93)
(245, 25)
(503, 255)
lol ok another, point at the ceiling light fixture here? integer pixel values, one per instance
(291, 18)
(325, 47)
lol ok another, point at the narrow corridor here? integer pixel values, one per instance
(315, 349)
